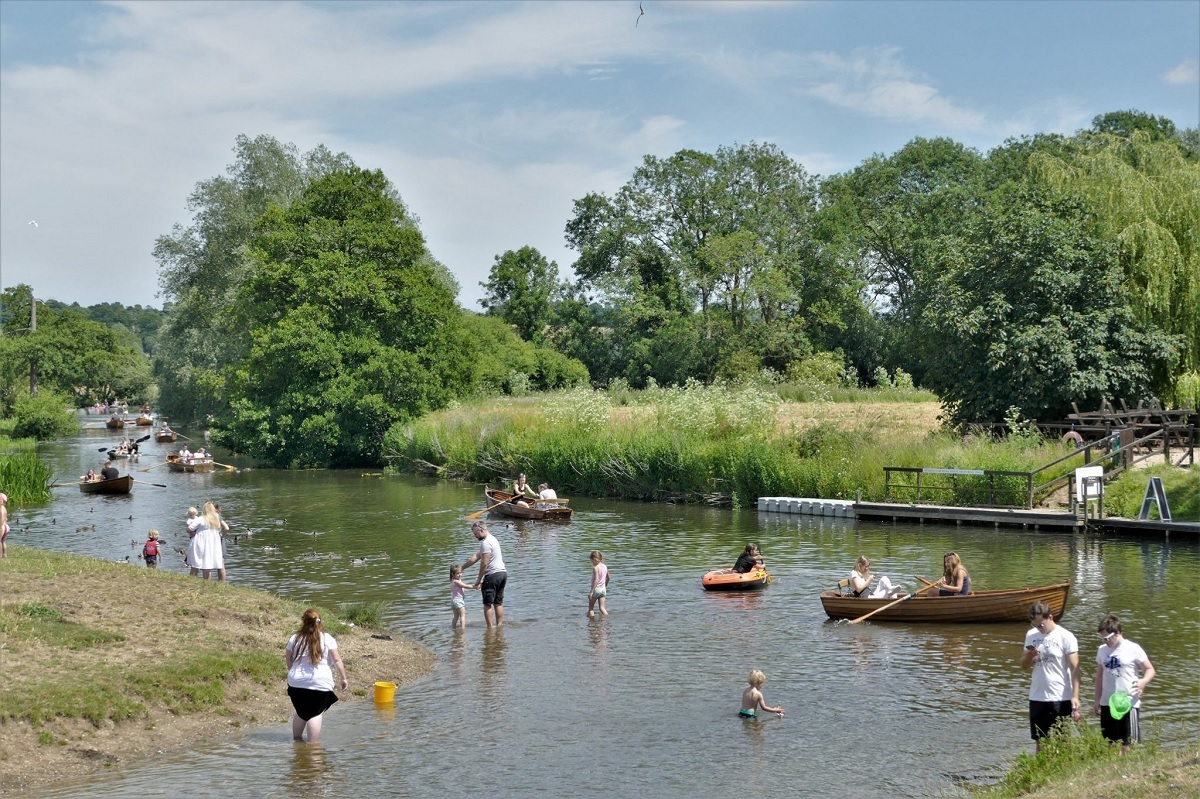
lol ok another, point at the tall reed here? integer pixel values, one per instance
(24, 477)
(717, 444)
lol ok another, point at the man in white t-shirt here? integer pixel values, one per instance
(1052, 651)
(1118, 662)
(492, 574)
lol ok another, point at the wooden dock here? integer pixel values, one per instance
(1142, 526)
(945, 514)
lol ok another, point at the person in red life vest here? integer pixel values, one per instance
(150, 550)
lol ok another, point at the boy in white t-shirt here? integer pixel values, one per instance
(1118, 662)
(1052, 651)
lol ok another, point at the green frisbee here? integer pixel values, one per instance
(1119, 704)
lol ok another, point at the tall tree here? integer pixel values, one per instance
(1144, 194)
(521, 288)
(202, 267)
(351, 327)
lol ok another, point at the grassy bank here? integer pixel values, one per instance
(97, 654)
(718, 445)
(1084, 766)
(23, 475)
(1182, 486)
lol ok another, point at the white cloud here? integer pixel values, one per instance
(1183, 73)
(877, 83)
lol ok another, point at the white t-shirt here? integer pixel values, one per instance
(1119, 666)
(1052, 669)
(490, 546)
(306, 674)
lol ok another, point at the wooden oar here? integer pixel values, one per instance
(226, 465)
(143, 482)
(181, 435)
(890, 604)
(155, 466)
(922, 579)
(478, 513)
(63, 485)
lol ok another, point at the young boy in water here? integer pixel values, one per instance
(752, 698)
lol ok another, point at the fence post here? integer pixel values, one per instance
(920, 474)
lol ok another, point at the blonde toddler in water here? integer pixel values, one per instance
(752, 698)
(599, 590)
(458, 599)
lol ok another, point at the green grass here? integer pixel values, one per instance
(361, 614)
(1124, 496)
(23, 475)
(37, 622)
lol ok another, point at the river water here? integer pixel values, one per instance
(642, 702)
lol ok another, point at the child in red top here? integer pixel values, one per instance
(150, 550)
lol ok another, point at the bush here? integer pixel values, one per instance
(43, 417)
(823, 368)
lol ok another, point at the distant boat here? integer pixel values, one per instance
(191, 465)
(501, 502)
(165, 436)
(114, 423)
(1010, 604)
(145, 421)
(114, 485)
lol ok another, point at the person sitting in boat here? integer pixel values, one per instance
(109, 472)
(861, 579)
(165, 429)
(749, 560)
(90, 477)
(522, 491)
(545, 492)
(955, 579)
(184, 454)
(200, 454)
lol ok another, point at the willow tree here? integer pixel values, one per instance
(1144, 193)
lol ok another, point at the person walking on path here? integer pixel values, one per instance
(492, 574)
(311, 656)
(1118, 661)
(1052, 651)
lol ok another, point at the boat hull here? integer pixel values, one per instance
(166, 438)
(729, 580)
(1010, 605)
(177, 464)
(117, 485)
(115, 424)
(500, 502)
(145, 421)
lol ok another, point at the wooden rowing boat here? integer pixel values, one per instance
(166, 436)
(501, 502)
(114, 485)
(115, 424)
(1010, 604)
(729, 580)
(145, 421)
(191, 465)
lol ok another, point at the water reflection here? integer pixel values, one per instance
(310, 774)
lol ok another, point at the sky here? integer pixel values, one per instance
(492, 118)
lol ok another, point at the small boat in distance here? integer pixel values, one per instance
(502, 503)
(165, 435)
(190, 465)
(1011, 604)
(145, 421)
(114, 485)
(729, 580)
(115, 422)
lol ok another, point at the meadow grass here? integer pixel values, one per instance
(721, 445)
(1182, 486)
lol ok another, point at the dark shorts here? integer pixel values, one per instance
(1043, 715)
(1125, 729)
(492, 588)
(309, 703)
(152, 561)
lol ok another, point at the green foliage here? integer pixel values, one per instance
(363, 614)
(43, 417)
(1024, 307)
(1065, 753)
(520, 288)
(350, 328)
(202, 267)
(1123, 497)
(24, 476)
(822, 368)
(686, 444)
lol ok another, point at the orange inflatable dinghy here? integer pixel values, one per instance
(729, 580)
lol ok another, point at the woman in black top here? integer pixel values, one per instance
(749, 560)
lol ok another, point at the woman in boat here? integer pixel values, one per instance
(861, 579)
(955, 579)
(522, 491)
(749, 560)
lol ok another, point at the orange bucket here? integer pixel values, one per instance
(385, 693)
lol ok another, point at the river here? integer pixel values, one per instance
(644, 701)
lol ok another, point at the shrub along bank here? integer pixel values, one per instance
(721, 445)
